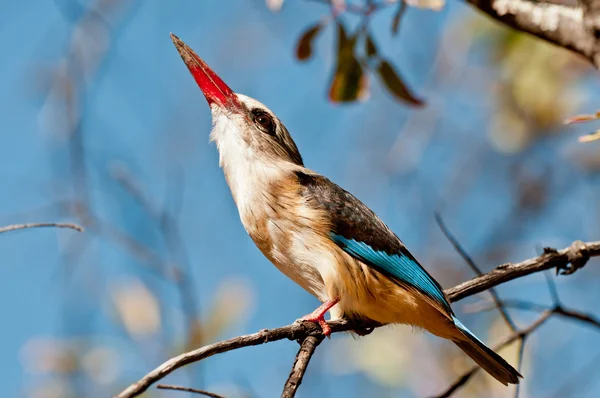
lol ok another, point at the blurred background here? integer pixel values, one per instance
(102, 125)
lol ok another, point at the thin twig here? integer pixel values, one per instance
(188, 389)
(581, 317)
(520, 362)
(40, 225)
(559, 259)
(483, 306)
(526, 305)
(469, 260)
(552, 288)
(307, 349)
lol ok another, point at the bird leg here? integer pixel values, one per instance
(318, 315)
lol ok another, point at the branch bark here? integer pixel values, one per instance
(307, 349)
(188, 389)
(572, 27)
(566, 261)
(15, 227)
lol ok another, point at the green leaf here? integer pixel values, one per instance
(395, 85)
(304, 48)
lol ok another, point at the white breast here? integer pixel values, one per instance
(295, 249)
(299, 253)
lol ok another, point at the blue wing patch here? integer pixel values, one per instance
(465, 330)
(398, 265)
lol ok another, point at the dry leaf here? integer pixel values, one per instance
(395, 84)
(370, 47)
(349, 82)
(304, 48)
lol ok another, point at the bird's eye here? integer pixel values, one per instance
(265, 121)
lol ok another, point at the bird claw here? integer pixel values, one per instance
(318, 316)
(319, 320)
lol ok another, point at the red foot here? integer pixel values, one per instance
(318, 315)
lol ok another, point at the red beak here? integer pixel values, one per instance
(215, 90)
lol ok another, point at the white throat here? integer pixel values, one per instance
(247, 173)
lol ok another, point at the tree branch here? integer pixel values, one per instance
(40, 225)
(582, 317)
(565, 26)
(295, 331)
(307, 349)
(566, 261)
(187, 389)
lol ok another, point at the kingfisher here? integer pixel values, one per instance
(318, 234)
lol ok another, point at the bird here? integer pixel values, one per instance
(318, 234)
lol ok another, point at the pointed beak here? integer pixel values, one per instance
(215, 90)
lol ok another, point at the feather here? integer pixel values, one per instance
(398, 266)
(358, 231)
(491, 362)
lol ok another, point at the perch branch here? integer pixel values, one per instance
(295, 331)
(307, 349)
(566, 261)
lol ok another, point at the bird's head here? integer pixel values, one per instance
(242, 126)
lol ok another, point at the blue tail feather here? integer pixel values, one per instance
(491, 362)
